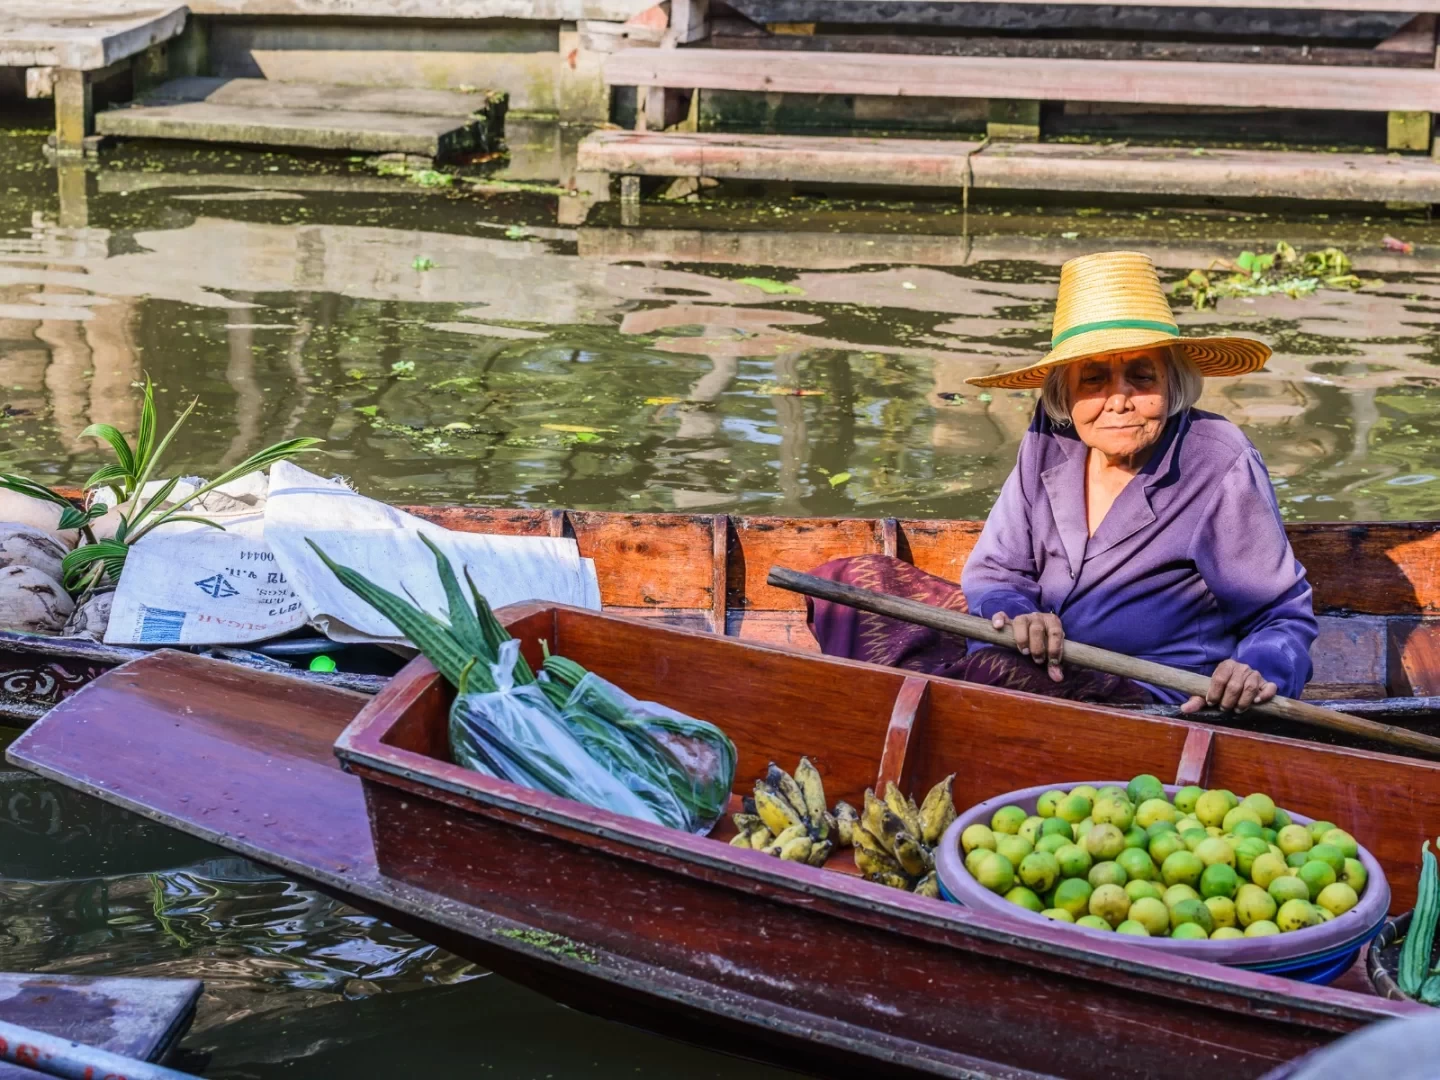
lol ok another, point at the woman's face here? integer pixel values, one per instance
(1120, 402)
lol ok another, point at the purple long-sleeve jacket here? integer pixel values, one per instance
(1191, 565)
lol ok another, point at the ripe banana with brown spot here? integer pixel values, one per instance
(826, 827)
(911, 856)
(780, 780)
(783, 838)
(820, 851)
(812, 788)
(760, 838)
(847, 819)
(797, 850)
(895, 881)
(873, 862)
(741, 840)
(929, 886)
(937, 812)
(903, 808)
(774, 810)
(746, 823)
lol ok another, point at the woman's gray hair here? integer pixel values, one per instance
(1184, 387)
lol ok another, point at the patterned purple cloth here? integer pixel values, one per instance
(1191, 565)
(862, 635)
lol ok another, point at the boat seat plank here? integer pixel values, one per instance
(1351, 658)
(136, 1018)
(1181, 82)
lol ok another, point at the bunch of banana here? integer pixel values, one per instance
(788, 817)
(894, 839)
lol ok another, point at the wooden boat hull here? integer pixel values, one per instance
(689, 936)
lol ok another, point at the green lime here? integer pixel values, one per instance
(1282, 818)
(1073, 808)
(1187, 797)
(1107, 873)
(1014, 848)
(996, 873)
(1285, 889)
(1226, 933)
(977, 836)
(1194, 837)
(1295, 915)
(1151, 914)
(1058, 915)
(1182, 868)
(1355, 875)
(1261, 928)
(1052, 843)
(1054, 826)
(1192, 911)
(1137, 864)
(1164, 845)
(1222, 910)
(1219, 880)
(1130, 926)
(1316, 875)
(1248, 830)
(1344, 841)
(1073, 895)
(1175, 893)
(1110, 903)
(1048, 803)
(1262, 804)
(1320, 828)
(1189, 932)
(1074, 861)
(1094, 922)
(1040, 870)
(1008, 819)
(1246, 852)
(1330, 854)
(1139, 890)
(1023, 897)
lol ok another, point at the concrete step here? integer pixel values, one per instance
(83, 35)
(320, 116)
(1121, 169)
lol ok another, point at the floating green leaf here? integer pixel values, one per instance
(839, 478)
(772, 287)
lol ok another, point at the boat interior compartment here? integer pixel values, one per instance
(863, 726)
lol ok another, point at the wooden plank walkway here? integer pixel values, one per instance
(1153, 82)
(138, 1018)
(83, 35)
(432, 123)
(1119, 169)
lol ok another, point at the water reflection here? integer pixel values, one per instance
(643, 369)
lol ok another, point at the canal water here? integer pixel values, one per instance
(779, 353)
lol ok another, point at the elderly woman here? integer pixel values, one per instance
(1132, 521)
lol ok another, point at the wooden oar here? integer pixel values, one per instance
(1088, 656)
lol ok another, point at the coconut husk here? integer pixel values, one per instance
(91, 617)
(32, 601)
(25, 545)
(37, 513)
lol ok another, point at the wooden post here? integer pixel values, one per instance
(630, 200)
(689, 21)
(72, 181)
(1017, 121)
(74, 111)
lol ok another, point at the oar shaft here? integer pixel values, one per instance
(1088, 656)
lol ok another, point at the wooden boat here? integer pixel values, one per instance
(807, 967)
(1377, 592)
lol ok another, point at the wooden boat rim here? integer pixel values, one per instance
(358, 745)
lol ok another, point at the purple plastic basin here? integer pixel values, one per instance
(1355, 926)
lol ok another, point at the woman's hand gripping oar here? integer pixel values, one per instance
(1187, 682)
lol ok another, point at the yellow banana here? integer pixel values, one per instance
(929, 886)
(895, 881)
(782, 782)
(911, 856)
(847, 818)
(760, 838)
(937, 813)
(903, 808)
(812, 788)
(795, 832)
(825, 826)
(863, 839)
(882, 822)
(777, 814)
(746, 823)
(741, 840)
(797, 850)
(870, 862)
(820, 851)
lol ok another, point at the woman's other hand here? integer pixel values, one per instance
(1039, 636)
(1234, 688)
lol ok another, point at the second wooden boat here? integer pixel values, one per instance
(807, 967)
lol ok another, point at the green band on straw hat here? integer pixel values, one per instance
(1116, 324)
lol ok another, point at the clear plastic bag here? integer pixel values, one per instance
(515, 733)
(685, 766)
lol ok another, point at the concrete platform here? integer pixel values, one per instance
(1118, 169)
(432, 123)
(83, 35)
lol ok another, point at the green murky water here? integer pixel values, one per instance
(780, 354)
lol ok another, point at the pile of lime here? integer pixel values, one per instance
(1204, 864)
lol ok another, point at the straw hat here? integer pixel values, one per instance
(1112, 302)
